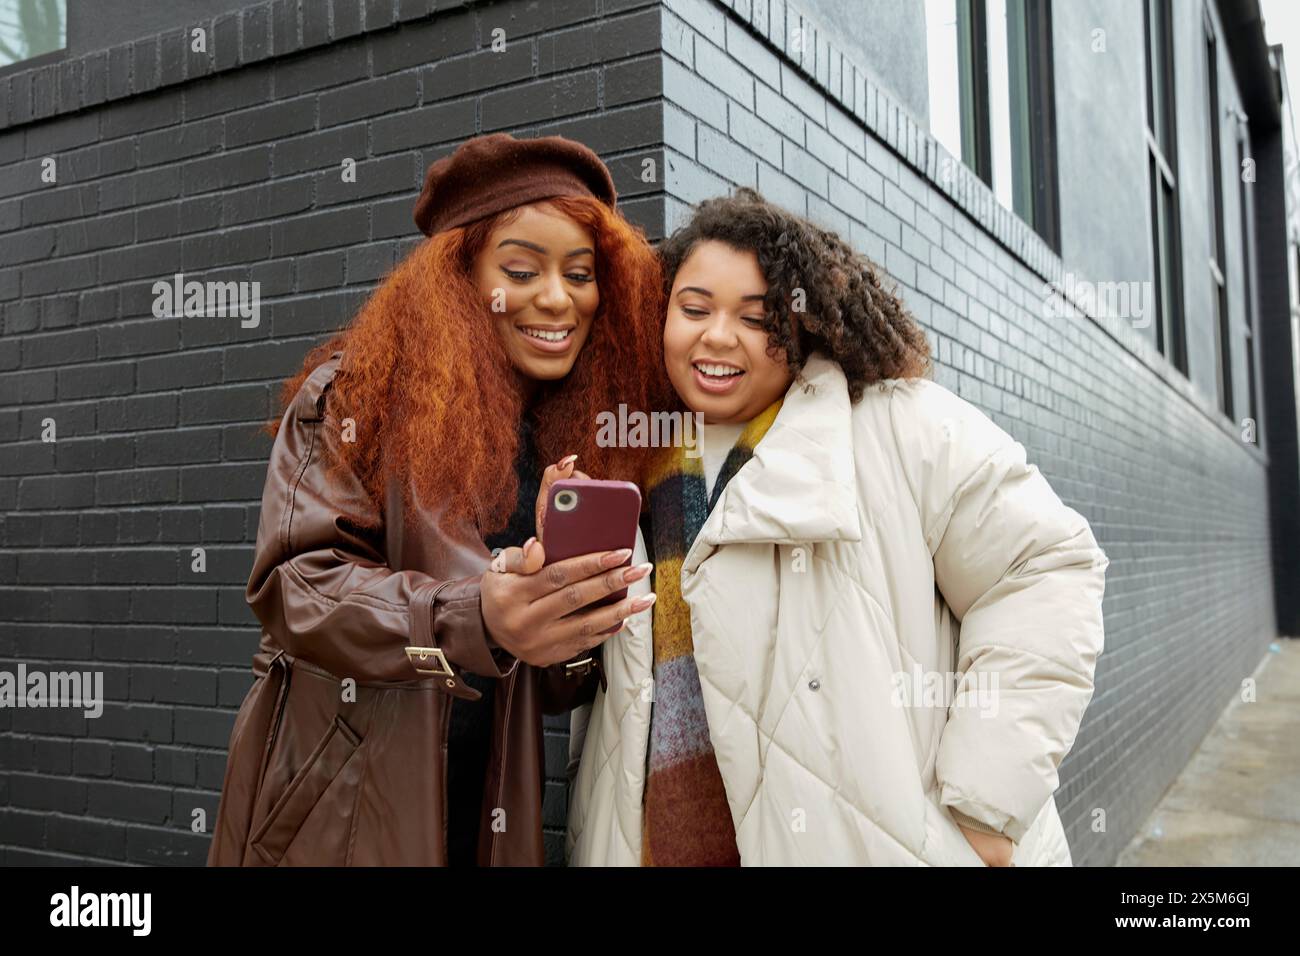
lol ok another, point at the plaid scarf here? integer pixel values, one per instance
(686, 820)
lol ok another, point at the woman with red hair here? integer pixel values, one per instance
(396, 713)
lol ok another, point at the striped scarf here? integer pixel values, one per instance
(686, 820)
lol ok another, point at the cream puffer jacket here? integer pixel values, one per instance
(867, 561)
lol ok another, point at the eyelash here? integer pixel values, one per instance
(524, 276)
(753, 323)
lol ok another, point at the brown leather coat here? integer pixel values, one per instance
(321, 772)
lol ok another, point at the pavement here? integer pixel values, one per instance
(1237, 802)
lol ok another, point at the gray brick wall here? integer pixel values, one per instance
(225, 165)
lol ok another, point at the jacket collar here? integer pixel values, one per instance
(799, 487)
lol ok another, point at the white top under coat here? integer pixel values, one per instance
(716, 442)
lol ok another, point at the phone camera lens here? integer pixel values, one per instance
(566, 500)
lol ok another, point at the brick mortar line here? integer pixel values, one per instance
(73, 67)
(274, 178)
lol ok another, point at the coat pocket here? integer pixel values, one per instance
(945, 843)
(304, 791)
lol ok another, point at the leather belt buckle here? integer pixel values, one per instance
(584, 667)
(429, 660)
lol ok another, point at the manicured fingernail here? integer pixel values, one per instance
(529, 543)
(641, 603)
(567, 461)
(615, 558)
(637, 573)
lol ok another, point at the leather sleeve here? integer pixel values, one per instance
(320, 584)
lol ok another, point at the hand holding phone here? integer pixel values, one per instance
(585, 516)
(548, 617)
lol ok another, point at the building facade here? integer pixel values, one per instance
(1084, 203)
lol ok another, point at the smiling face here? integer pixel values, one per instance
(537, 274)
(715, 347)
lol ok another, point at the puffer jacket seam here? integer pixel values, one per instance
(946, 510)
(945, 513)
(771, 740)
(1042, 657)
(606, 761)
(839, 796)
(630, 711)
(627, 839)
(865, 592)
(898, 451)
(636, 848)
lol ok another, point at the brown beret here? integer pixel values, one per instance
(489, 174)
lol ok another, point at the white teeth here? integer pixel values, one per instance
(717, 371)
(548, 336)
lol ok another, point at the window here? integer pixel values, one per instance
(1218, 256)
(31, 28)
(1248, 291)
(1166, 243)
(991, 95)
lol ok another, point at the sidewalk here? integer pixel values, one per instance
(1237, 802)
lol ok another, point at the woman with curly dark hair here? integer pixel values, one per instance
(876, 625)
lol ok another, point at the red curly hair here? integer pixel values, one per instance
(437, 401)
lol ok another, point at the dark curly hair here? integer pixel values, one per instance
(847, 313)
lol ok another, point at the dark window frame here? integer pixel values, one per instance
(1248, 287)
(1041, 82)
(1162, 149)
(973, 72)
(1218, 252)
(1035, 78)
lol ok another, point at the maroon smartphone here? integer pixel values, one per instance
(583, 516)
